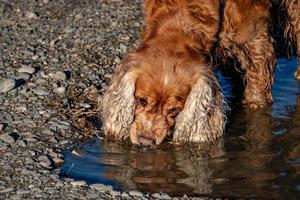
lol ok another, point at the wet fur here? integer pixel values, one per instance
(186, 33)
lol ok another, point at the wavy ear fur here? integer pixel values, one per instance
(202, 118)
(119, 102)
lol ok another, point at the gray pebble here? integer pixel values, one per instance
(22, 191)
(7, 85)
(115, 193)
(60, 90)
(22, 143)
(60, 76)
(7, 138)
(78, 183)
(1, 127)
(45, 161)
(26, 69)
(31, 15)
(6, 190)
(101, 187)
(135, 194)
(24, 76)
(58, 161)
(40, 92)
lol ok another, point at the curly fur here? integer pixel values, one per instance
(202, 118)
(170, 74)
(118, 102)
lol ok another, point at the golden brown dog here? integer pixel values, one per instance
(167, 86)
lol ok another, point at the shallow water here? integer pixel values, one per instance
(259, 156)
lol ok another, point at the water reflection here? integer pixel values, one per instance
(258, 157)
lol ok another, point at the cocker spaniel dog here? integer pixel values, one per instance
(167, 86)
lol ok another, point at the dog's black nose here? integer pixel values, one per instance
(146, 141)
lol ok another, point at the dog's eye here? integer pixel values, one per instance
(173, 111)
(142, 101)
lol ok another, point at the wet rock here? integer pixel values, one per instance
(78, 183)
(58, 161)
(7, 138)
(101, 187)
(135, 194)
(297, 73)
(7, 85)
(115, 193)
(26, 69)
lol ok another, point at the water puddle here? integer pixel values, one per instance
(259, 156)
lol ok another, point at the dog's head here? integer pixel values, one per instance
(155, 94)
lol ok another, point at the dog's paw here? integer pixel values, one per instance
(297, 73)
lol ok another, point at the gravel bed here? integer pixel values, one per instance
(56, 58)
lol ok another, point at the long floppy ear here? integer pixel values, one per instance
(119, 102)
(202, 118)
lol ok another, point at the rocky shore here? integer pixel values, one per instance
(56, 59)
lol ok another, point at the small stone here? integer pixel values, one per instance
(78, 183)
(45, 1)
(1, 127)
(7, 139)
(22, 143)
(124, 194)
(45, 161)
(101, 187)
(7, 85)
(58, 161)
(17, 197)
(115, 193)
(297, 73)
(41, 92)
(22, 191)
(26, 69)
(31, 15)
(6, 190)
(60, 90)
(24, 76)
(78, 16)
(165, 196)
(135, 194)
(60, 76)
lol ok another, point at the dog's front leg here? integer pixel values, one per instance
(258, 60)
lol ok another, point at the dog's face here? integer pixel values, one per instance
(160, 95)
(154, 94)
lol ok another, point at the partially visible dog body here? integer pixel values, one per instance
(292, 26)
(167, 86)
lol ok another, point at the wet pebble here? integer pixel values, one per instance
(78, 183)
(7, 85)
(58, 161)
(26, 69)
(135, 194)
(297, 73)
(101, 187)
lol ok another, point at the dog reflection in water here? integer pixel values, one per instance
(175, 170)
